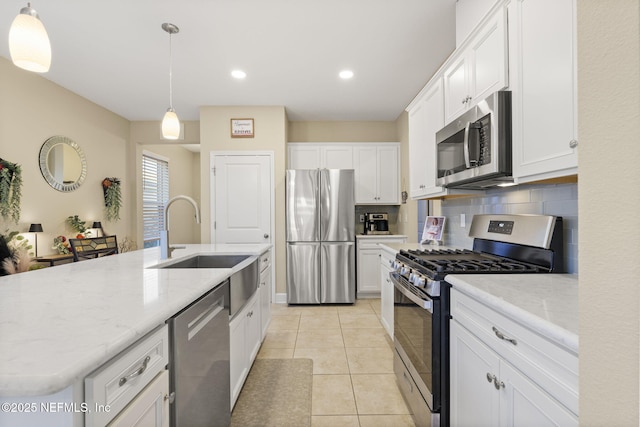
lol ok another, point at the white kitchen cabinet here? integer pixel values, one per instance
(265, 292)
(386, 290)
(368, 260)
(150, 408)
(542, 52)
(245, 337)
(519, 379)
(377, 173)
(320, 156)
(303, 156)
(478, 68)
(426, 117)
(118, 383)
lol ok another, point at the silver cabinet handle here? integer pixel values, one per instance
(490, 377)
(135, 373)
(573, 143)
(497, 384)
(503, 336)
(266, 236)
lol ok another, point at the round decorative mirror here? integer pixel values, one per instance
(62, 163)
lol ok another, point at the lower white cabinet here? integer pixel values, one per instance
(368, 259)
(150, 408)
(120, 387)
(386, 290)
(517, 380)
(265, 291)
(245, 335)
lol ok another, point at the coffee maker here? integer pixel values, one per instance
(376, 223)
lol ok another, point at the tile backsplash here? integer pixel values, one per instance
(558, 199)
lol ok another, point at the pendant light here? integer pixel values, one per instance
(29, 43)
(170, 122)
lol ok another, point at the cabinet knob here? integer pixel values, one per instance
(573, 143)
(266, 236)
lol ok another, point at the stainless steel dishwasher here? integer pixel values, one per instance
(199, 366)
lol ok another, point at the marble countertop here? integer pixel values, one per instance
(60, 323)
(545, 303)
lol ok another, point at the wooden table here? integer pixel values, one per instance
(53, 259)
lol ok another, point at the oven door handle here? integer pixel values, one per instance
(425, 304)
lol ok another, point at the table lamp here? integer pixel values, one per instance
(36, 228)
(98, 225)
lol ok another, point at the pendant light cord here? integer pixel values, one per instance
(170, 74)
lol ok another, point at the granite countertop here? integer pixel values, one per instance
(60, 323)
(545, 303)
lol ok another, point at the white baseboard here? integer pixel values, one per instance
(281, 298)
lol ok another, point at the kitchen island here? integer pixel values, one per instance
(59, 324)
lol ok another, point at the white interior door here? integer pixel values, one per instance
(242, 198)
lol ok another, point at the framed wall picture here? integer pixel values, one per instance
(433, 227)
(242, 128)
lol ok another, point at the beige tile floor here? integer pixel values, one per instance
(353, 380)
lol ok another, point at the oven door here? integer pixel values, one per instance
(417, 338)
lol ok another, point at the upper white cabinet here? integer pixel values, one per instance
(377, 174)
(426, 117)
(376, 165)
(320, 156)
(542, 46)
(478, 68)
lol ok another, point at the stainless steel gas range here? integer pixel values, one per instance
(503, 244)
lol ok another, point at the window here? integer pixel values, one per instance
(155, 193)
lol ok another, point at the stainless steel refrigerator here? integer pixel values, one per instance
(320, 236)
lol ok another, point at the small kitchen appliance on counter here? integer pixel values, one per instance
(503, 244)
(376, 223)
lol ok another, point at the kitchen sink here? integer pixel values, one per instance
(207, 261)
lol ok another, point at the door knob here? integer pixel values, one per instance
(266, 236)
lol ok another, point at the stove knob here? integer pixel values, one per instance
(419, 281)
(404, 270)
(395, 265)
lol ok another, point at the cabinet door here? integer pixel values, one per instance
(542, 51)
(474, 398)
(456, 89)
(336, 156)
(265, 298)
(524, 404)
(425, 120)
(388, 167)
(369, 272)
(254, 329)
(238, 360)
(488, 58)
(365, 162)
(386, 297)
(150, 408)
(304, 156)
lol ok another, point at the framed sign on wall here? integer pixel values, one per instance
(242, 128)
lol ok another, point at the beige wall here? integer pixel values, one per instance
(609, 202)
(34, 109)
(270, 124)
(342, 132)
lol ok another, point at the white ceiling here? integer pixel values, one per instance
(115, 53)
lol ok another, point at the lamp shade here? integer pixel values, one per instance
(35, 228)
(96, 224)
(29, 43)
(170, 125)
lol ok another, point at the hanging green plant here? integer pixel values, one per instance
(112, 198)
(10, 190)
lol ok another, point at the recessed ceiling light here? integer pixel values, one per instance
(346, 74)
(238, 74)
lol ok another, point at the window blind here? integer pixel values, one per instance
(155, 193)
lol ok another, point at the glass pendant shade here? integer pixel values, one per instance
(29, 43)
(170, 125)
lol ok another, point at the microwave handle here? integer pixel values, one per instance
(467, 160)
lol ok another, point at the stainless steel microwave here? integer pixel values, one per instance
(474, 150)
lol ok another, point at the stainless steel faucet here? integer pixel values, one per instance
(165, 249)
